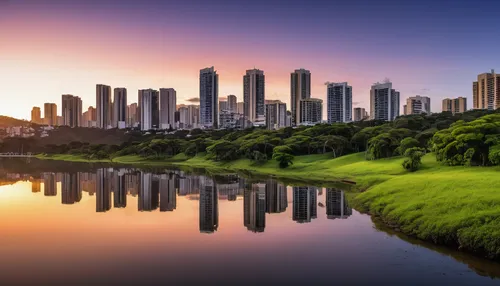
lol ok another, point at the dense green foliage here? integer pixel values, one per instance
(453, 137)
(413, 158)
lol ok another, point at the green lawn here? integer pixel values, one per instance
(446, 205)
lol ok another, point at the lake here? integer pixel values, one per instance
(79, 224)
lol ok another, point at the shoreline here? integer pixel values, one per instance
(451, 206)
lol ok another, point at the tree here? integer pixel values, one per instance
(414, 159)
(407, 143)
(223, 150)
(336, 143)
(283, 154)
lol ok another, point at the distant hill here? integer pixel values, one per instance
(6, 121)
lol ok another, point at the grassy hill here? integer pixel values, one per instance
(6, 121)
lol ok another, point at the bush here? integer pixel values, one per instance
(414, 159)
(283, 155)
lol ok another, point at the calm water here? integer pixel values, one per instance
(105, 226)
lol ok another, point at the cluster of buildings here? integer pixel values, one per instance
(111, 188)
(158, 109)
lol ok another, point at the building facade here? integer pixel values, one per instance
(120, 108)
(149, 109)
(232, 103)
(132, 115)
(103, 106)
(209, 98)
(455, 105)
(384, 102)
(311, 111)
(276, 115)
(417, 105)
(486, 91)
(254, 96)
(36, 115)
(50, 113)
(168, 105)
(300, 88)
(339, 102)
(71, 110)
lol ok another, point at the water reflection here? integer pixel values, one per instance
(159, 191)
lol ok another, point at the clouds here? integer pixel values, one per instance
(193, 100)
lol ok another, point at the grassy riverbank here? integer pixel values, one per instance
(446, 205)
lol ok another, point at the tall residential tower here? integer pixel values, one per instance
(209, 98)
(300, 88)
(339, 102)
(384, 102)
(254, 96)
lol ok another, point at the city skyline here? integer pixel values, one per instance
(419, 64)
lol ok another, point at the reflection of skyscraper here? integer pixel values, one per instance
(103, 192)
(336, 204)
(132, 183)
(209, 206)
(70, 189)
(35, 186)
(304, 204)
(168, 196)
(88, 182)
(148, 192)
(254, 208)
(49, 184)
(276, 198)
(119, 191)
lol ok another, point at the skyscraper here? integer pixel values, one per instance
(232, 103)
(240, 108)
(311, 111)
(149, 109)
(455, 105)
(168, 103)
(50, 113)
(254, 210)
(103, 106)
(70, 188)
(209, 206)
(132, 115)
(120, 108)
(339, 102)
(119, 190)
(300, 88)
(209, 98)
(49, 184)
(36, 115)
(359, 114)
(384, 102)
(486, 91)
(275, 115)
(417, 105)
(336, 204)
(254, 96)
(71, 110)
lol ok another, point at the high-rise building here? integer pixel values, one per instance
(276, 197)
(209, 98)
(360, 114)
(168, 104)
(36, 115)
(336, 204)
(36, 186)
(149, 192)
(71, 110)
(149, 109)
(132, 115)
(120, 108)
(304, 204)
(254, 208)
(300, 88)
(339, 102)
(240, 106)
(223, 106)
(275, 115)
(103, 106)
(50, 113)
(486, 91)
(254, 96)
(209, 206)
(384, 102)
(311, 111)
(455, 105)
(417, 105)
(232, 103)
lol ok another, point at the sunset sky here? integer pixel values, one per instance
(428, 47)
